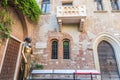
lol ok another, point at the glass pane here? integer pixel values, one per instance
(43, 7)
(54, 50)
(47, 8)
(65, 43)
(66, 50)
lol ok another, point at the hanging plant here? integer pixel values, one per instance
(5, 23)
(29, 8)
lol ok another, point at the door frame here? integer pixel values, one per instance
(115, 43)
(18, 58)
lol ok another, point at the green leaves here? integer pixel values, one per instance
(30, 8)
(4, 32)
(38, 66)
(4, 3)
(5, 23)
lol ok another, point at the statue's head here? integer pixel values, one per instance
(28, 40)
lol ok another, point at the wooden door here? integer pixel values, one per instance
(107, 60)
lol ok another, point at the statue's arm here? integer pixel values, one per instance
(23, 54)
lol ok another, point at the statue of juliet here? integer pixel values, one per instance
(26, 55)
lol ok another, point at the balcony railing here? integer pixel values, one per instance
(71, 11)
(71, 15)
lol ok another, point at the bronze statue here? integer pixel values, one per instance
(26, 60)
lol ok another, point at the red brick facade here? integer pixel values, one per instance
(20, 29)
(83, 60)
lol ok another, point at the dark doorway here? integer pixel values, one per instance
(107, 60)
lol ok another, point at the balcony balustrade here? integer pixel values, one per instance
(71, 14)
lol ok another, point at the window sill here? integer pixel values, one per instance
(100, 11)
(115, 11)
(54, 59)
(45, 14)
(67, 59)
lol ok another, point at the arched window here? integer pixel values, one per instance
(66, 52)
(55, 50)
(45, 6)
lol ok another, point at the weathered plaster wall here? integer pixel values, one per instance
(97, 22)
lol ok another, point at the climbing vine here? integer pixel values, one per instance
(29, 8)
(5, 23)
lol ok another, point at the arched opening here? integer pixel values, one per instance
(107, 61)
(54, 50)
(66, 52)
(114, 42)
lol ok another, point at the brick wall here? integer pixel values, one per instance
(19, 31)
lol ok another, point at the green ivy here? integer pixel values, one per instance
(4, 3)
(5, 23)
(30, 8)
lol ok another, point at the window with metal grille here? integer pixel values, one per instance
(54, 50)
(45, 6)
(67, 4)
(114, 4)
(66, 53)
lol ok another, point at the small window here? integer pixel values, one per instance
(114, 4)
(54, 50)
(99, 5)
(67, 4)
(66, 53)
(45, 6)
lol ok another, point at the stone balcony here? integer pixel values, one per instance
(71, 14)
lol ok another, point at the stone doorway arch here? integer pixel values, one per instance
(107, 61)
(114, 42)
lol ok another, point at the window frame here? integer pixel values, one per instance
(45, 6)
(66, 54)
(115, 4)
(99, 5)
(67, 4)
(54, 49)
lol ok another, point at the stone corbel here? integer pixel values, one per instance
(60, 24)
(82, 27)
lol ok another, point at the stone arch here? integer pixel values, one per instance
(23, 22)
(114, 43)
(67, 36)
(49, 45)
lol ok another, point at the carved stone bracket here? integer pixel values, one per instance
(60, 24)
(82, 25)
